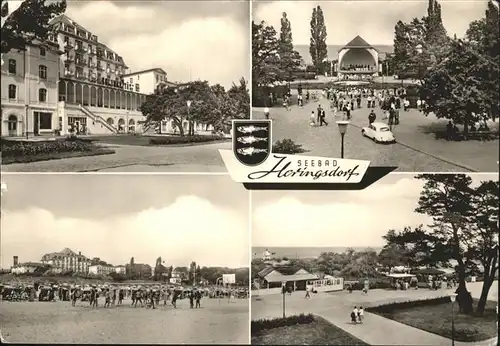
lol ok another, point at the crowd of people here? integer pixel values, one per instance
(148, 295)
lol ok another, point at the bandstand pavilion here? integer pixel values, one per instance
(357, 60)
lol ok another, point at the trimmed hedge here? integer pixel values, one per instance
(184, 139)
(388, 308)
(265, 324)
(11, 148)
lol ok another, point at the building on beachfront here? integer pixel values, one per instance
(67, 260)
(122, 270)
(101, 269)
(29, 97)
(271, 280)
(176, 277)
(147, 81)
(267, 255)
(74, 83)
(357, 51)
(29, 268)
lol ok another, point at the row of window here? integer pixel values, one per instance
(42, 69)
(42, 93)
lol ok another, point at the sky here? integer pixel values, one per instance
(339, 218)
(190, 40)
(114, 217)
(372, 20)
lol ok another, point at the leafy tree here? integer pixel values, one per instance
(265, 59)
(192, 273)
(483, 36)
(210, 105)
(28, 23)
(289, 58)
(318, 47)
(453, 88)
(198, 273)
(435, 31)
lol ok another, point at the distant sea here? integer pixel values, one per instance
(306, 252)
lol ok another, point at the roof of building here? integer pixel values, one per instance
(30, 264)
(294, 277)
(64, 252)
(156, 69)
(266, 271)
(358, 42)
(333, 51)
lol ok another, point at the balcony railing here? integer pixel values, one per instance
(81, 62)
(70, 58)
(82, 76)
(68, 73)
(81, 49)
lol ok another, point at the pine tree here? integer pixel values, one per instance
(317, 47)
(265, 60)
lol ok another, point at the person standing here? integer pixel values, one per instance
(372, 117)
(318, 117)
(308, 289)
(266, 112)
(198, 299)
(191, 299)
(322, 118)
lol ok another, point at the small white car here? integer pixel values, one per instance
(379, 132)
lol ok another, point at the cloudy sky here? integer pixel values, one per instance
(207, 40)
(115, 217)
(373, 20)
(338, 218)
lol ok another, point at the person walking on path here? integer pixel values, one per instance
(322, 118)
(354, 315)
(308, 294)
(361, 314)
(266, 113)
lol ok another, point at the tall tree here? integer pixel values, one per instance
(446, 199)
(463, 98)
(318, 47)
(27, 23)
(483, 35)
(289, 58)
(265, 58)
(484, 224)
(435, 32)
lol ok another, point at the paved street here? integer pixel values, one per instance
(58, 322)
(336, 307)
(416, 151)
(128, 158)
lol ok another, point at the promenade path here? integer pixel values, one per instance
(416, 151)
(375, 330)
(131, 158)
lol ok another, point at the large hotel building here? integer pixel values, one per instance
(74, 83)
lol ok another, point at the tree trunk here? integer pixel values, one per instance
(178, 124)
(464, 297)
(489, 278)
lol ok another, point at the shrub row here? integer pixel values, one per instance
(183, 139)
(389, 308)
(287, 146)
(29, 148)
(265, 324)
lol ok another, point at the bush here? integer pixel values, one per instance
(265, 324)
(287, 146)
(183, 139)
(388, 308)
(29, 148)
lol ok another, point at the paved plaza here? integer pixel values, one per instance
(337, 306)
(217, 322)
(416, 149)
(130, 158)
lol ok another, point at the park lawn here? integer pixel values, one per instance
(319, 332)
(437, 319)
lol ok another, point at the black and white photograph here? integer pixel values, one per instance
(122, 86)
(124, 259)
(410, 260)
(412, 84)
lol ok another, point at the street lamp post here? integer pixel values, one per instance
(453, 297)
(188, 103)
(283, 291)
(342, 124)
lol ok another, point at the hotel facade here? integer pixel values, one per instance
(73, 83)
(67, 260)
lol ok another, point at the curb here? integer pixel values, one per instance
(440, 158)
